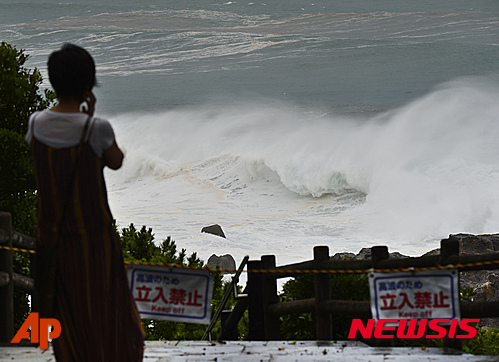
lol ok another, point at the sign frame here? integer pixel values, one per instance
(192, 288)
(440, 288)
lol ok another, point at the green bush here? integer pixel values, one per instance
(20, 96)
(343, 287)
(485, 343)
(20, 89)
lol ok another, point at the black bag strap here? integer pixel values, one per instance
(73, 176)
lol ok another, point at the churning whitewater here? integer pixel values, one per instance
(281, 180)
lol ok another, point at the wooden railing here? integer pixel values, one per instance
(264, 309)
(10, 280)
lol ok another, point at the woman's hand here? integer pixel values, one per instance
(89, 99)
(113, 157)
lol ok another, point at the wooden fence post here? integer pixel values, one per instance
(449, 248)
(228, 334)
(6, 284)
(269, 288)
(322, 289)
(255, 302)
(379, 253)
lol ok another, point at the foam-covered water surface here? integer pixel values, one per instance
(278, 180)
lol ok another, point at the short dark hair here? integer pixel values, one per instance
(71, 71)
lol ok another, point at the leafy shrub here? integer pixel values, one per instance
(343, 287)
(20, 89)
(485, 343)
(20, 96)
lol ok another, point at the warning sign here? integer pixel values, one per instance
(415, 295)
(182, 295)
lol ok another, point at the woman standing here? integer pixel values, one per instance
(80, 275)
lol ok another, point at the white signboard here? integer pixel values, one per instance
(415, 295)
(176, 294)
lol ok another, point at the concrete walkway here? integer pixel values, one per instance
(283, 351)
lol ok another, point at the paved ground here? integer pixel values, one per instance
(282, 351)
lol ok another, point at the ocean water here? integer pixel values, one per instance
(290, 124)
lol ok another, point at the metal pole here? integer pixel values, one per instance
(225, 298)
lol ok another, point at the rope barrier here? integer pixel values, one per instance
(303, 271)
(17, 249)
(180, 266)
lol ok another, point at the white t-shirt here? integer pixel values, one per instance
(60, 130)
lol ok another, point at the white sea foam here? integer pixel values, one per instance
(435, 169)
(277, 179)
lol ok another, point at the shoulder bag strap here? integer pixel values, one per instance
(73, 176)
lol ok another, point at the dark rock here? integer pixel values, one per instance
(484, 282)
(224, 262)
(364, 254)
(477, 244)
(344, 256)
(214, 229)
